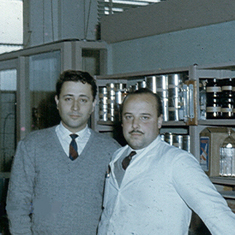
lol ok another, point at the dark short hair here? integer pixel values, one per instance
(76, 76)
(146, 91)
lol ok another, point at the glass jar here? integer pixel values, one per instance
(227, 156)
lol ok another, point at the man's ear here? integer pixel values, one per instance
(160, 120)
(93, 105)
(56, 101)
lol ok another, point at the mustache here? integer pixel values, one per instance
(135, 131)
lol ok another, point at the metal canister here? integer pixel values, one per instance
(115, 92)
(111, 114)
(162, 84)
(158, 84)
(103, 92)
(110, 89)
(141, 84)
(174, 102)
(103, 112)
(103, 103)
(165, 111)
(186, 142)
(103, 100)
(133, 88)
(103, 115)
(151, 83)
(162, 136)
(178, 141)
(120, 95)
(174, 92)
(119, 86)
(175, 82)
(169, 138)
(173, 114)
(111, 102)
(213, 98)
(176, 79)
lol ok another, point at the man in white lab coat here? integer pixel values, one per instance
(157, 191)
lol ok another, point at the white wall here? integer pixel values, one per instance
(170, 34)
(11, 25)
(204, 45)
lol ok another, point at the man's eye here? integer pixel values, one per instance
(145, 117)
(67, 99)
(128, 117)
(83, 100)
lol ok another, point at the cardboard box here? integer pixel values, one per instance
(211, 138)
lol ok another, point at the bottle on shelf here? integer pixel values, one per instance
(213, 96)
(227, 156)
(202, 100)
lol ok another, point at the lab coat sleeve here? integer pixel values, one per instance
(20, 191)
(196, 189)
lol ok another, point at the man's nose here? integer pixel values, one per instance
(75, 105)
(135, 123)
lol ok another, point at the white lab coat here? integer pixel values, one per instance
(158, 189)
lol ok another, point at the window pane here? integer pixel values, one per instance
(8, 80)
(44, 70)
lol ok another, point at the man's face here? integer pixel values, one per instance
(140, 120)
(75, 105)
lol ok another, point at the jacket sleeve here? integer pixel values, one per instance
(196, 189)
(20, 191)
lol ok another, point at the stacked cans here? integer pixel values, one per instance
(103, 103)
(168, 87)
(220, 97)
(175, 82)
(159, 84)
(227, 98)
(137, 86)
(110, 99)
(120, 93)
(179, 141)
(213, 98)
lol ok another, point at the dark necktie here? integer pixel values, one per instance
(73, 148)
(126, 160)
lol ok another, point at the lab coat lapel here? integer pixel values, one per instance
(112, 166)
(140, 163)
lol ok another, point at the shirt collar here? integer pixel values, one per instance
(138, 151)
(64, 132)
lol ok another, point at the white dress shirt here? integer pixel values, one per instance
(65, 139)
